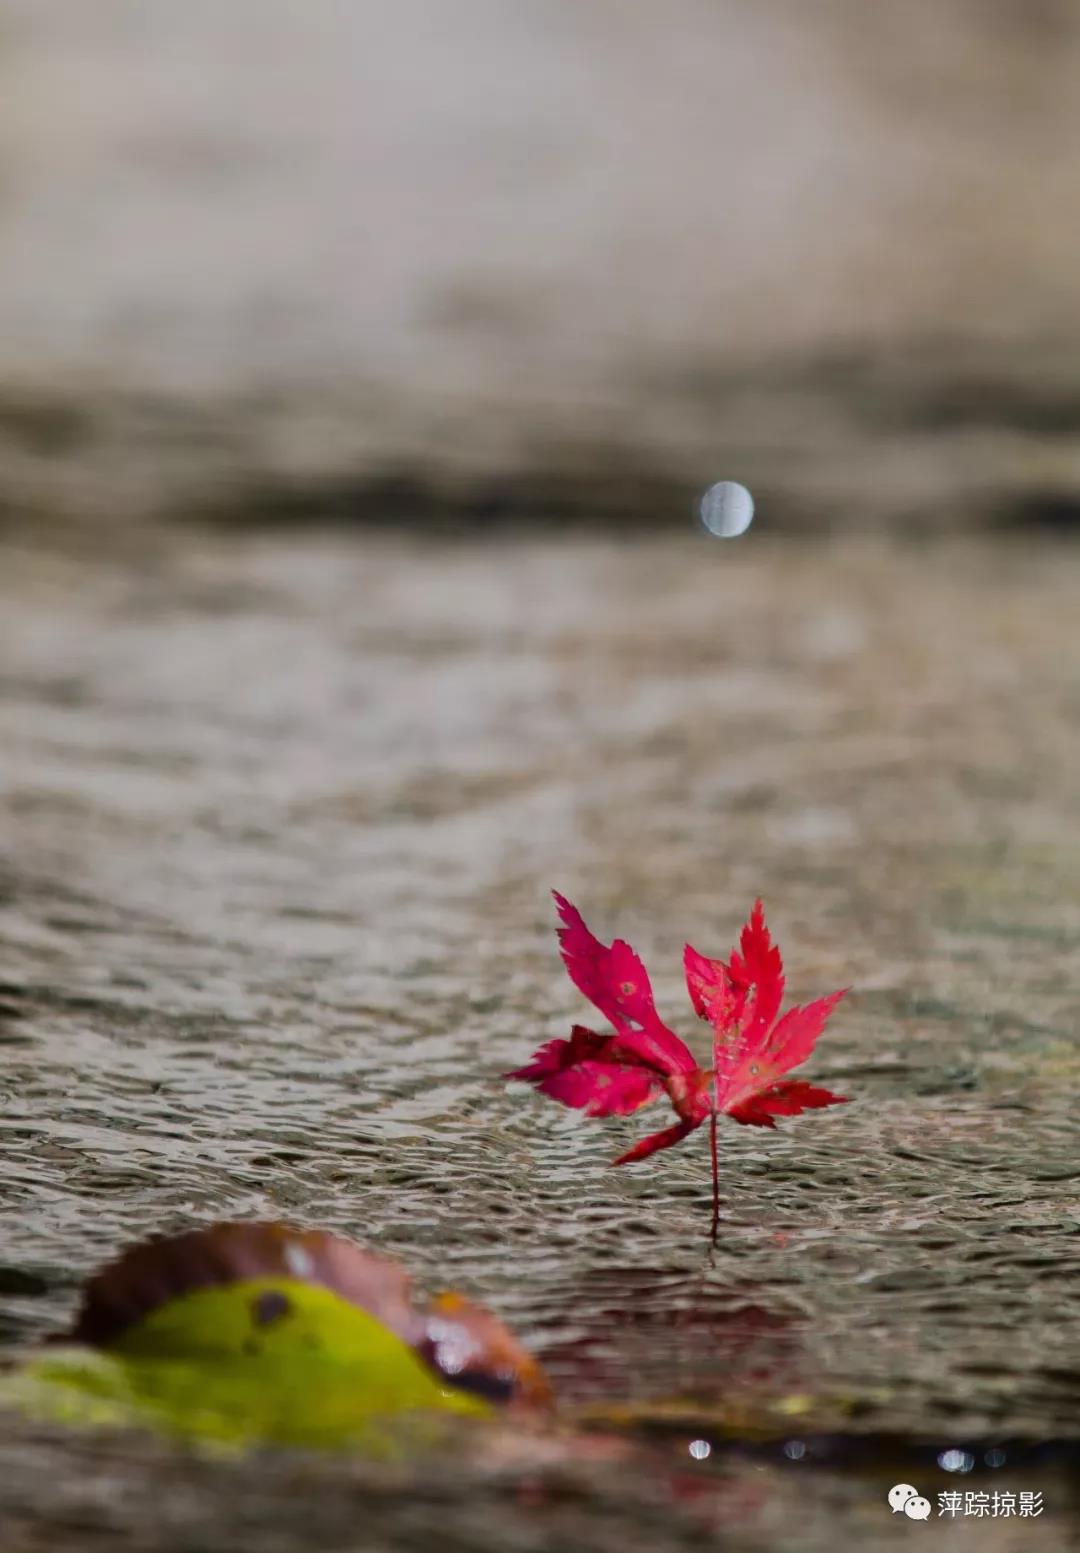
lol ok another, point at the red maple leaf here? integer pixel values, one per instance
(613, 1075)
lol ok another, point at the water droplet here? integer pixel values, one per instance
(956, 1461)
(726, 509)
(299, 1261)
(699, 1449)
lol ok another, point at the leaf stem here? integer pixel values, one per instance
(715, 1179)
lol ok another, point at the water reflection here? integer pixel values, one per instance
(650, 1332)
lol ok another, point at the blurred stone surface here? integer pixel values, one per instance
(281, 261)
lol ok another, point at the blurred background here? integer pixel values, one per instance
(361, 367)
(483, 260)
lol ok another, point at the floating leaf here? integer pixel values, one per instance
(238, 1333)
(614, 1075)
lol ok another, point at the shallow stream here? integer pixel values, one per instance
(279, 819)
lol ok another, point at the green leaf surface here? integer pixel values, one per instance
(267, 1359)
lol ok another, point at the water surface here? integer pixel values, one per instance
(279, 819)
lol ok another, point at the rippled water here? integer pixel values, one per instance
(279, 820)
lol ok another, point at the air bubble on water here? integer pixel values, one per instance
(726, 509)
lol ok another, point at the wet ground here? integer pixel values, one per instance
(279, 819)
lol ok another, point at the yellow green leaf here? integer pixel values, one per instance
(266, 1359)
